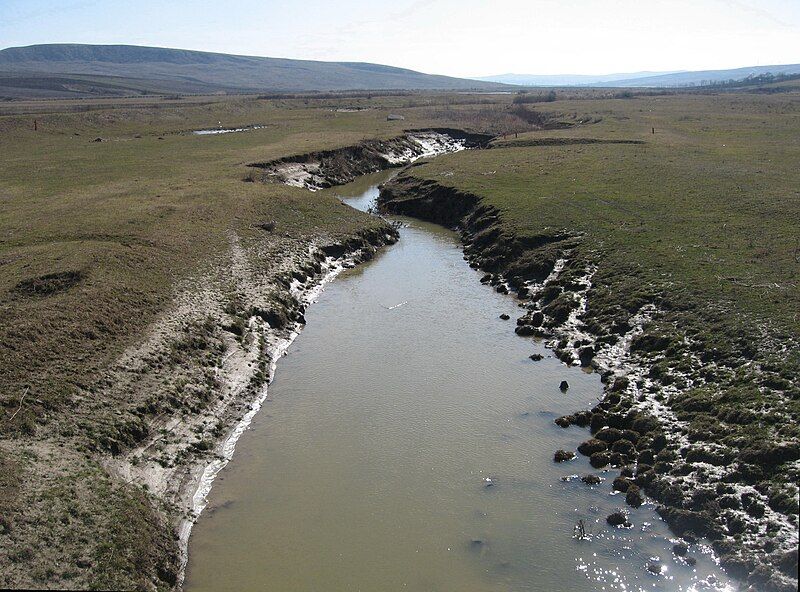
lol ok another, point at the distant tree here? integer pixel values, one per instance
(524, 97)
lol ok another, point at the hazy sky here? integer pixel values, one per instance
(456, 37)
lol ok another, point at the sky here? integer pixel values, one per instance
(455, 37)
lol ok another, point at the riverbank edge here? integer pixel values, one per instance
(203, 474)
(553, 282)
(323, 169)
(202, 441)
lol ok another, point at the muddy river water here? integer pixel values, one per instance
(367, 467)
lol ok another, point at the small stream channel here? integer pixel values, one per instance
(366, 468)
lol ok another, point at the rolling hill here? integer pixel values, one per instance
(642, 79)
(704, 76)
(566, 79)
(64, 70)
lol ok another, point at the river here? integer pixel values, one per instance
(367, 467)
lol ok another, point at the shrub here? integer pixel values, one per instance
(523, 97)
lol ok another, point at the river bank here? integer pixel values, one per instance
(328, 168)
(640, 425)
(213, 353)
(179, 462)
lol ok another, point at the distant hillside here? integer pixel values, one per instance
(642, 79)
(566, 79)
(80, 70)
(704, 76)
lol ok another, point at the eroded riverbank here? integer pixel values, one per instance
(647, 425)
(368, 466)
(329, 168)
(178, 459)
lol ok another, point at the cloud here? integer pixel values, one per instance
(759, 11)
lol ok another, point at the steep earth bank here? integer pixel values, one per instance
(678, 409)
(318, 170)
(137, 477)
